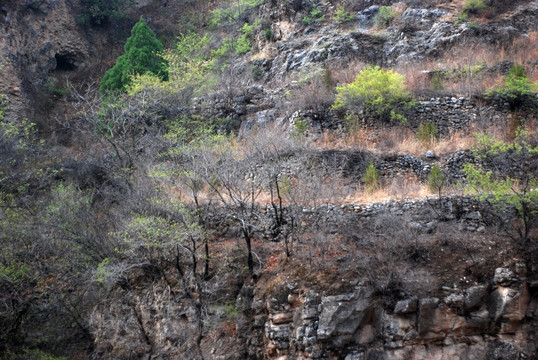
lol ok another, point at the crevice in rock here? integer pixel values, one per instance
(65, 62)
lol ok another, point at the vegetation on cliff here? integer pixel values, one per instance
(271, 152)
(143, 55)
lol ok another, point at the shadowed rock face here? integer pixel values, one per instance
(42, 46)
(38, 42)
(461, 322)
(351, 325)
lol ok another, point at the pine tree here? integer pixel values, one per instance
(141, 56)
(436, 179)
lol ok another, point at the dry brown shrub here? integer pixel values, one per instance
(316, 95)
(346, 72)
(402, 140)
(398, 140)
(466, 66)
(397, 188)
(416, 79)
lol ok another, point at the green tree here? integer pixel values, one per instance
(427, 133)
(509, 195)
(505, 194)
(99, 12)
(384, 16)
(371, 178)
(142, 56)
(474, 6)
(380, 92)
(436, 179)
(517, 89)
(341, 15)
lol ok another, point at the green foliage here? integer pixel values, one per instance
(427, 133)
(436, 81)
(315, 15)
(462, 18)
(230, 310)
(243, 43)
(190, 64)
(34, 354)
(473, 25)
(257, 72)
(53, 88)
(186, 130)
(380, 92)
(101, 274)
(285, 185)
(14, 272)
(385, 16)
(371, 178)
(3, 103)
(230, 15)
(268, 34)
(341, 15)
(230, 46)
(503, 192)
(17, 139)
(436, 179)
(474, 6)
(517, 89)
(99, 12)
(142, 56)
(489, 146)
(299, 128)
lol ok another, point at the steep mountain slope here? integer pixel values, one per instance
(228, 214)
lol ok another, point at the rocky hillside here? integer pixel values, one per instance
(236, 211)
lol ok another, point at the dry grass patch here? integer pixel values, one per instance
(465, 69)
(399, 140)
(396, 189)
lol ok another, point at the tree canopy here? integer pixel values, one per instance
(381, 92)
(99, 12)
(142, 56)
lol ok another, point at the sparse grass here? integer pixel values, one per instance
(472, 61)
(398, 188)
(396, 140)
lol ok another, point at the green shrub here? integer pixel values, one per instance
(3, 105)
(517, 90)
(142, 56)
(427, 133)
(99, 12)
(243, 44)
(316, 15)
(385, 16)
(257, 72)
(33, 354)
(436, 179)
(231, 15)
(268, 34)
(462, 18)
(371, 178)
(54, 89)
(436, 81)
(474, 6)
(380, 92)
(341, 15)
(299, 128)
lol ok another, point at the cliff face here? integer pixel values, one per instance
(455, 304)
(45, 50)
(42, 45)
(429, 279)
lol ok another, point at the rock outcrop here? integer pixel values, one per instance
(477, 322)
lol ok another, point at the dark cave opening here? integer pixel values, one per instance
(65, 62)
